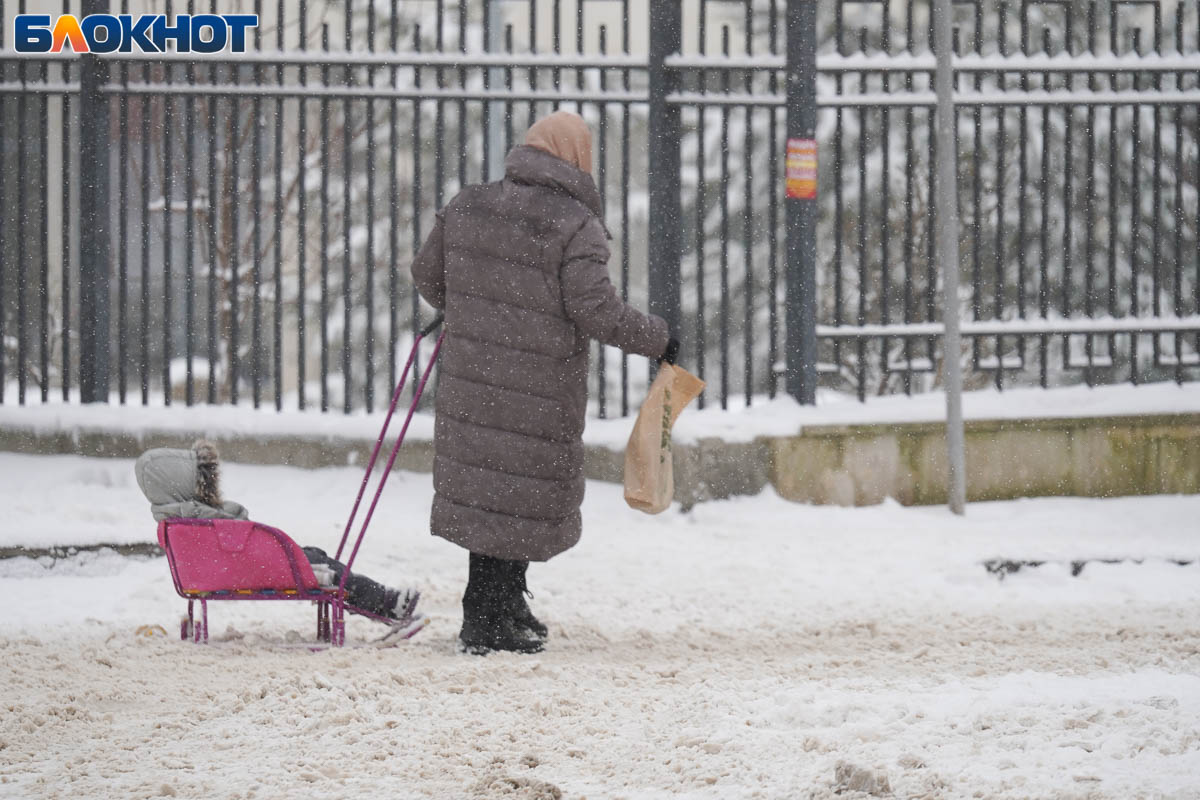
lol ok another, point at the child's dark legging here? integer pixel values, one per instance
(361, 591)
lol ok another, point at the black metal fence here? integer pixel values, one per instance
(260, 210)
(1078, 142)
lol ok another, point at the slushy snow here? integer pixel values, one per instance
(749, 648)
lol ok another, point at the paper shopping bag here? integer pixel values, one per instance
(649, 469)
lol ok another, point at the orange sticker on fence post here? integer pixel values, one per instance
(801, 168)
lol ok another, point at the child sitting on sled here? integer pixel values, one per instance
(185, 484)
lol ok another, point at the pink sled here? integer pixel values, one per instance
(233, 559)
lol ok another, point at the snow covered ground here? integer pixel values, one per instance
(743, 649)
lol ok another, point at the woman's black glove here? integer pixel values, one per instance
(671, 353)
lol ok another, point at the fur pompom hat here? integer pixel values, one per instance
(208, 473)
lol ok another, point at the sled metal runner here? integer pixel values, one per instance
(229, 560)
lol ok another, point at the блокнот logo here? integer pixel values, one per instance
(149, 33)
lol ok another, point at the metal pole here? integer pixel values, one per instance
(495, 128)
(946, 194)
(801, 204)
(94, 207)
(666, 215)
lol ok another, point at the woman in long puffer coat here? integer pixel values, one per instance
(520, 269)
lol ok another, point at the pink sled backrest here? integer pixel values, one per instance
(210, 555)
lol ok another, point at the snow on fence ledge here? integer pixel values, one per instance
(1107, 441)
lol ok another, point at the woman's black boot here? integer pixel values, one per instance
(521, 613)
(487, 620)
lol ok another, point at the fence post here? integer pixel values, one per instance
(665, 247)
(945, 198)
(801, 201)
(494, 43)
(94, 250)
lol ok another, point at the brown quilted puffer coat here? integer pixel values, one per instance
(520, 268)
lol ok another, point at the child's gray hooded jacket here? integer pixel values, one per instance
(184, 483)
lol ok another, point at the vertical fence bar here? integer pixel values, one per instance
(838, 215)
(885, 266)
(947, 247)
(976, 203)
(665, 246)
(347, 200)
(1177, 254)
(439, 121)
(256, 251)
(1135, 219)
(931, 222)
(977, 35)
(1155, 219)
(302, 224)
(723, 192)
(508, 104)
(701, 213)
(533, 48)
(347, 203)
(773, 210)
(748, 220)
(860, 343)
(323, 306)
(1022, 181)
(3, 216)
(462, 104)
(43, 290)
(4, 221)
(1068, 179)
(414, 297)
(579, 49)
(801, 245)
(369, 373)
(885, 124)
(167, 178)
(234, 248)
(94, 205)
(1001, 181)
(1089, 239)
(22, 139)
(556, 43)
(65, 167)
(602, 184)
(64, 229)
(625, 152)
(394, 202)
(277, 316)
(189, 276)
(909, 210)
(533, 73)
(213, 254)
(144, 219)
(1113, 184)
(1044, 233)
(490, 144)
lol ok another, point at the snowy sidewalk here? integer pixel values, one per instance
(743, 649)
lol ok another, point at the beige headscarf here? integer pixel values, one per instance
(564, 135)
